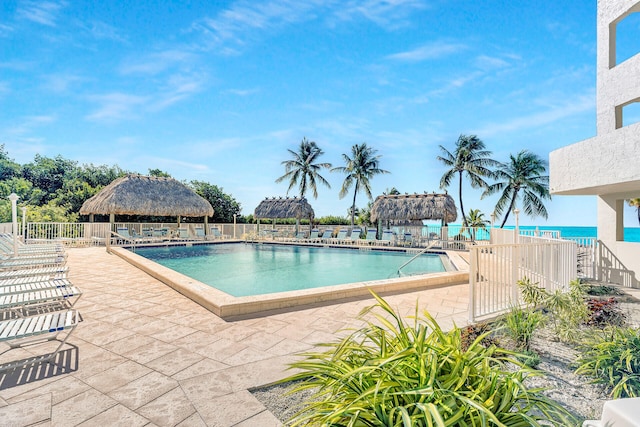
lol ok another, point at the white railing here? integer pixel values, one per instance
(68, 233)
(496, 269)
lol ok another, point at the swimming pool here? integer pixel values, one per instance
(245, 269)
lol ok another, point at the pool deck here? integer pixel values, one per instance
(146, 355)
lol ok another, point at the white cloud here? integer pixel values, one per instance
(177, 88)
(242, 92)
(100, 30)
(389, 14)
(5, 30)
(29, 123)
(115, 106)
(550, 115)
(235, 26)
(61, 82)
(157, 62)
(428, 51)
(41, 12)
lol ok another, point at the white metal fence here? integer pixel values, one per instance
(496, 269)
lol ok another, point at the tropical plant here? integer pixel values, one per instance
(520, 325)
(224, 205)
(390, 373)
(636, 204)
(612, 357)
(304, 168)
(604, 312)
(567, 309)
(360, 168)
(523, 173)
(476, 221)
(469, 158)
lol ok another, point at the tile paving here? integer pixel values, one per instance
(145, 355)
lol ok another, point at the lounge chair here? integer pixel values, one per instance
(387, 238)
(200, 233)
(42, 327)
(371, 237)
(341, 237)
(6, 246)
(20, 263)
(326, 237)
(53, 272)
(355, 235)
(407, 239)
(29, 300)
(313, 235)
(215, 233)
(182, 233)
(30, 283)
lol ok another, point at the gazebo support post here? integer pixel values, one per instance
(206, 225)
(112, 220)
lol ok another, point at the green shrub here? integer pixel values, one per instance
(612, 357)
(390, 373)
(529, 358)
(567, 310)
(599, 290)
(520, 324)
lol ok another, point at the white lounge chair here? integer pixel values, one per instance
(387, 238)
(341, 237)
(355, 235)
(43, 327)
(53, 272)
(67, 296)
(371, 237)
(326, 237)
(200, 233)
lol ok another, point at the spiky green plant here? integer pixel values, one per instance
(390, 373)
(520, 324)
(612, 357)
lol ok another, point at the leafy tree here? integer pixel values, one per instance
(364, 215)
(8, 168)
(469, 158)
(99, 176)
(636, 203)
(524, 172)
(73, 194)
(360, 168)
(304, 168)
(48, 174)
(159, 173)
(393, 191)
(224, 205)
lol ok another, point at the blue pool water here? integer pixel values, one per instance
(242, 269)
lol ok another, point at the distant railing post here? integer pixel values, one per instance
(473, 269)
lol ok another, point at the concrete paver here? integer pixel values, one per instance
(146, 355)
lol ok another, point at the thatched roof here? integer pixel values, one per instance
(414, 207)
(284, 208)
(147, 195)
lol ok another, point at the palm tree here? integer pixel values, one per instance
(524, 172)
(476, 221)
(303, 168)
(469, 158)
(360, 168)
(636, 203)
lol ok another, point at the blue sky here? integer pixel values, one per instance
(219, 90)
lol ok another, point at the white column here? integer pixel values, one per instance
(24, 222)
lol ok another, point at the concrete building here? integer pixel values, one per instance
(608, 165)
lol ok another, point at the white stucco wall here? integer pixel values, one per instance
(608, 165)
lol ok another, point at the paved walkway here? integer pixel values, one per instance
(147, 356)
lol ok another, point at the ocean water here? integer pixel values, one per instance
(631, 234)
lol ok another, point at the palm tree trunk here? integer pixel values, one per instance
(511, 205)
(464, 218)
(353, 207)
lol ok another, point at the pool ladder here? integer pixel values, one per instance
(422, 252)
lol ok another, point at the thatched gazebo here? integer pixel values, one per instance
(278, 208)
(414, 207)
(146, 195)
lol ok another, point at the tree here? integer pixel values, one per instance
(469, 158)
(159, 173)
(49, 174)
(224, 205)
(304, 168)
(476, 221)
(636, 203)
(360, 168)
(524, 172)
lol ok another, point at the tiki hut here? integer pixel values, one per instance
(275, 208)
(146, 195)
(414, 207)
